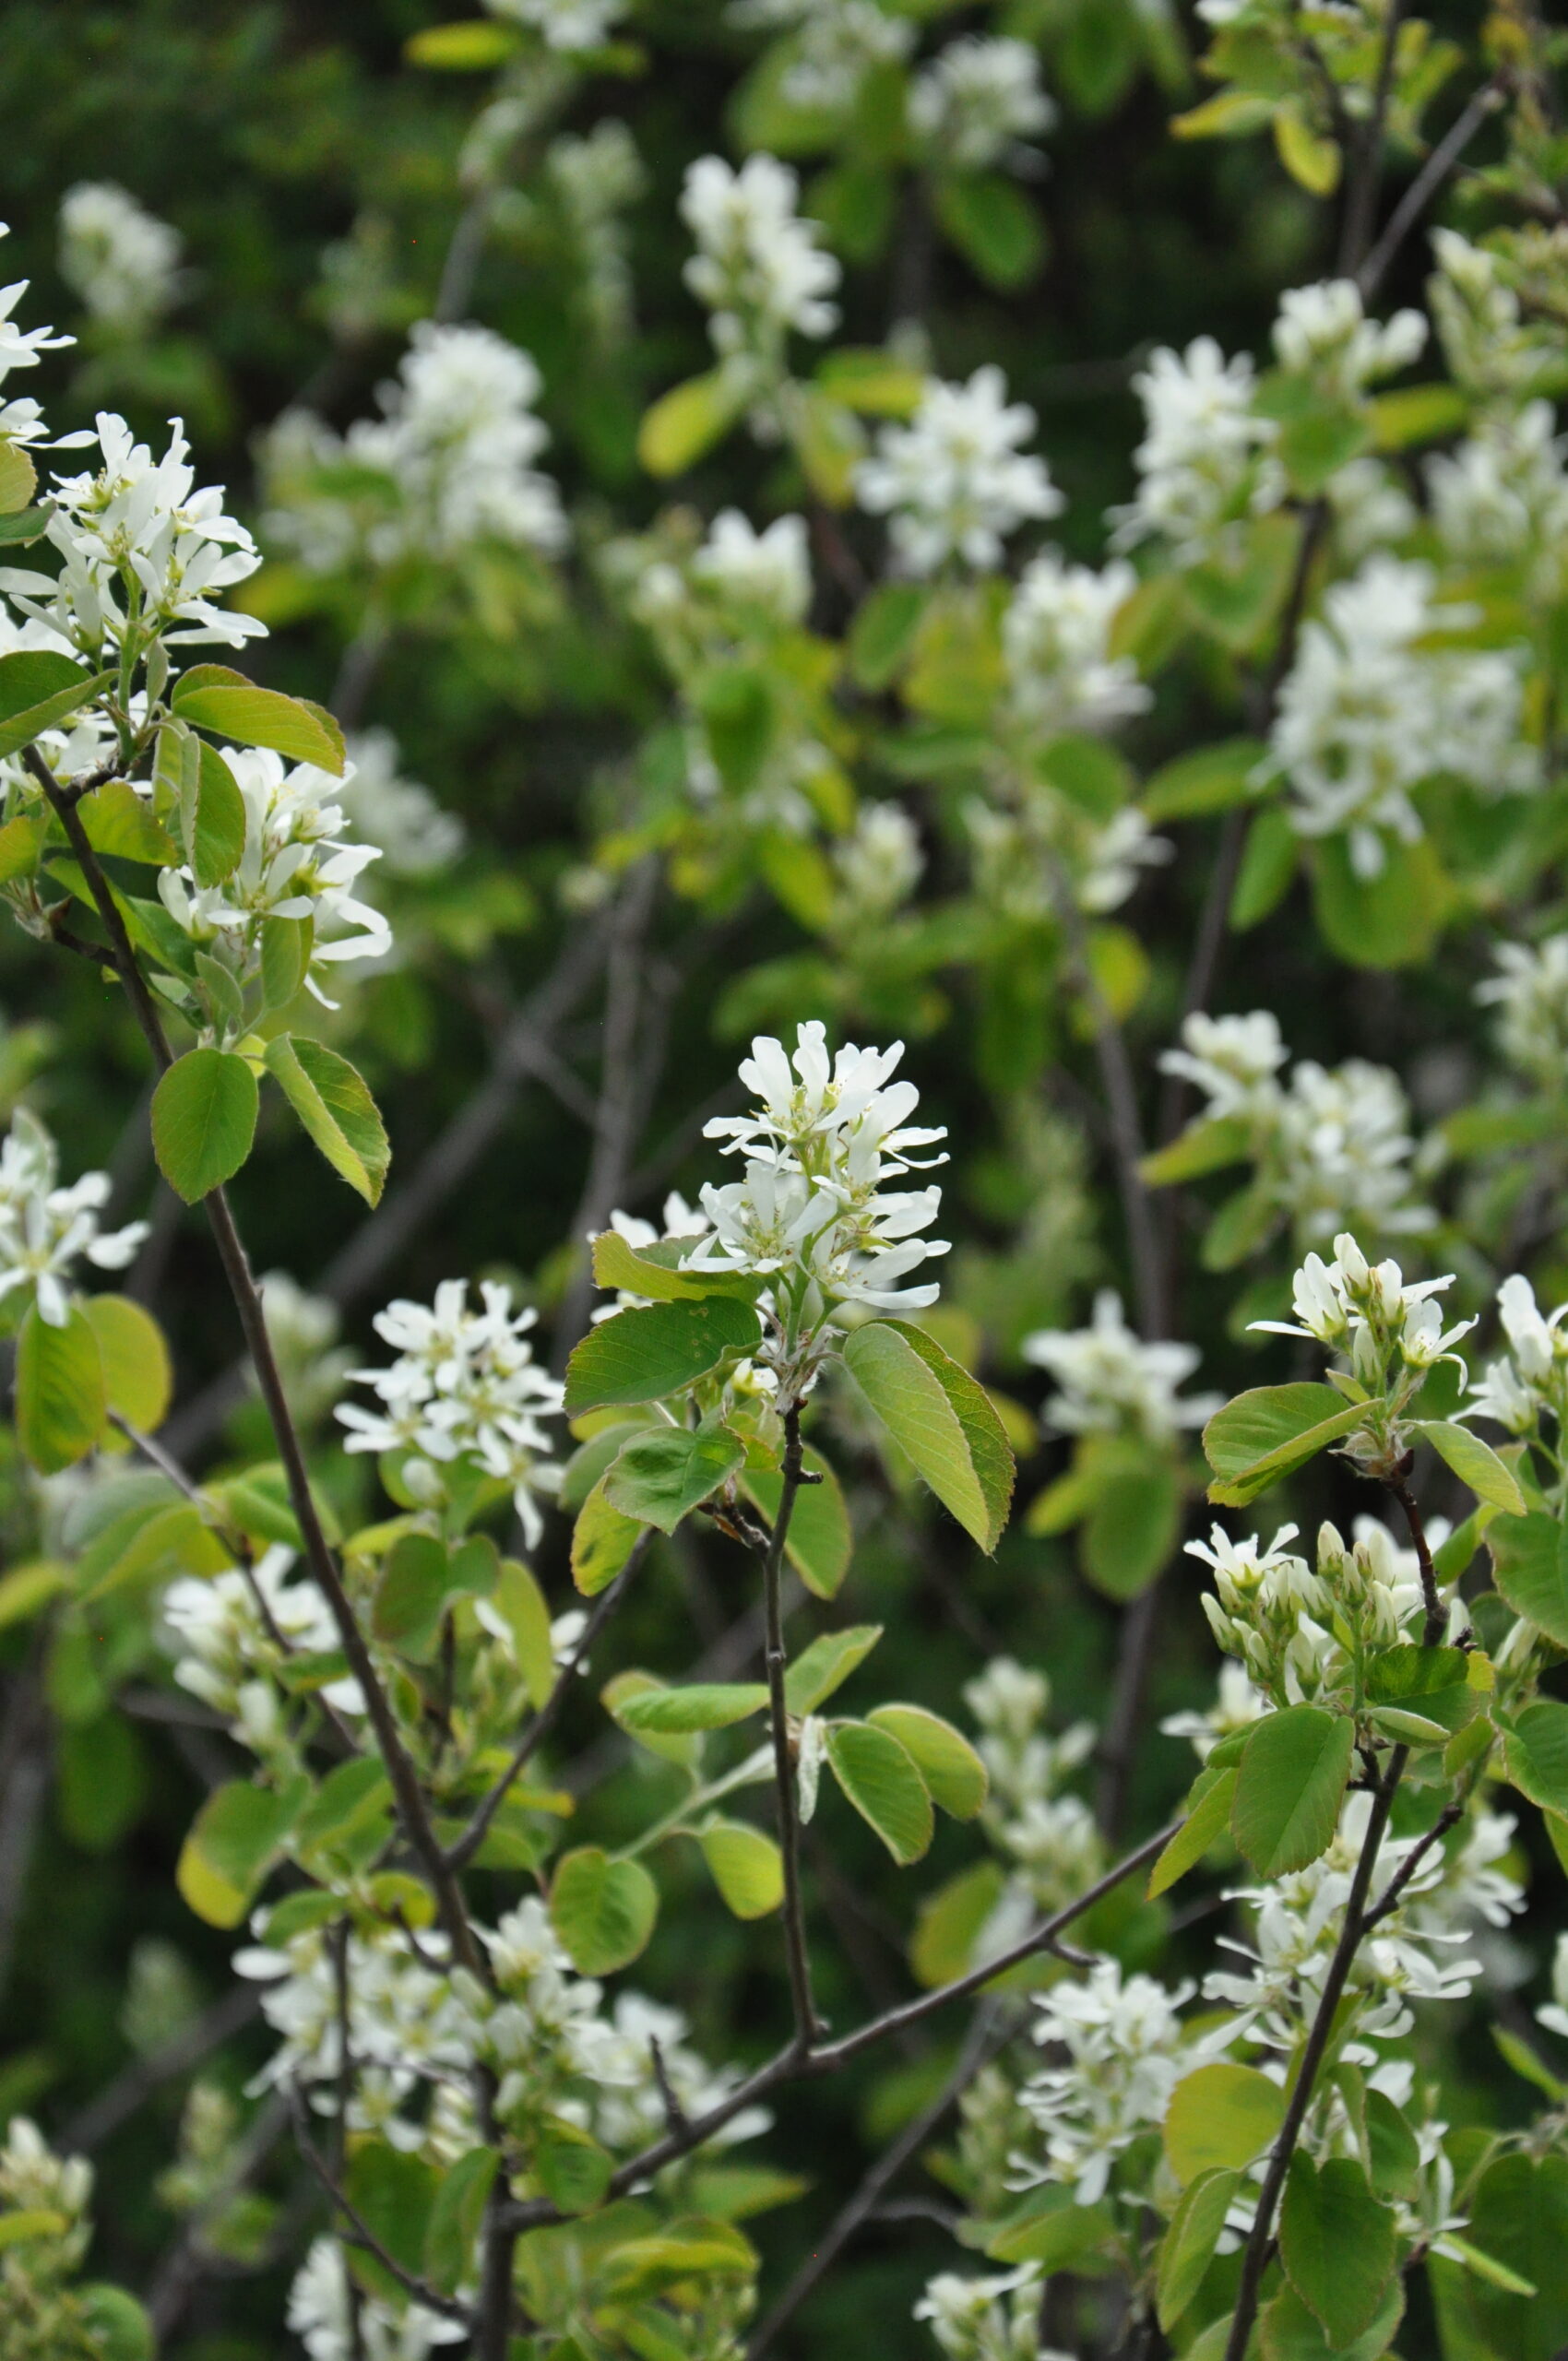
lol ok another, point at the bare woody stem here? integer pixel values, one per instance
(1431, 1629)
(799, 1959)
(411, 1807)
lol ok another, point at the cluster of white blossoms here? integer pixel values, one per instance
(879, 865)
(1111, 1381)
(1333, 1146)
(813, 1215)
(564, 24)
(1203, 462)
(1048, 848)
(596, 179)
(465, 1388)
(335, 2319)
(1500, 497)
(1553, 2013)
(22, 421)
(1322, 333)
(1530, 1380)
(448, 466)
(46, 1229)
(836, 44)
(303, 1330)
(956, 480)
(1127, 2049)
(123, 261)
(297, 863)
(1369, 710)
(1530, 995)
(1299, 1629)
(229, 1633)
(1366, 1312)
(409, 829)
(758, 268)
(34, 2180)
(978, 101)
(1238, 1703)
(144, 552)
(1056, 639)
(991, 2319)
(1493, 351)
(1048, 1839)
(739, 586)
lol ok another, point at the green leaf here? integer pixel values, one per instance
(21, 845)
(702, 1705)
(138, 1377)
(1208, 1815)
(453, 2229)
(18, 477)
(1417, 414)
(21, 526)
(117, 2325)
(995, 227)
(956, 1780)
(203, 1120)
(1202, 1147)
(61, 1404)
(1270, 1432)
(1289, 1785)
(820, 1542)
(689, 419)
(602, 1910)
(518, 1598)
(655, 1271)
(880, 1779)
(1187, 2248)
(1337, 2243)
(1268, 868)
(334, 1104)
(1519, 2220)
(1290, 2332)
(234, 1841)
(940, 1418)
(646, 1356)
(1473, 1462)
(574, 2171)
(1522, 2057)
(213, 696)
(1213, 779)
(1432, 1682)
(393, 2193)
(1534, 1754)
(1133, 1526)
(285, 958)
(474, 45)
(818, 1670)
(33, 2222)
(602, 1540)
(120, 823)
(412, 1596)
(39, 689)
(1531, 1572)
(217, 833)
(948, 1923)
(664, 1472)
(1389, 920)
(1049, 2227)
(882, 637)
(352, 1794)
(1394, 2151)
(747, 1867)
(1220, 2118)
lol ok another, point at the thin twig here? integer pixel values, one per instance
(1483, 103)
(783, 1766)
(360, 2232)
(103, 2117)
(1360, 198)
(1393, 1892)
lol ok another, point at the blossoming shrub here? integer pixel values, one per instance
(593, 1837)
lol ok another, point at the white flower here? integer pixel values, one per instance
(319, 2315)
(1232, 1060)
(764, 577)
(955, 481)
(223, 1640)
(402, 819)
(1342, 1151)
(121, 260)
(598, 178)
(1323, 332)
(839, 43)
(1368, 1311)
(22, 421)
(564, 24)
(1237, 1705)
(1124, 2043)
(1111, 1381)
(44, 1229)
(1203, 462)
(1367, 713)
(977, 100)
(464, 1387)
(880, 865)
(1056, 644)
(1533, 1378)
(1555, 2015)
(757, 268)
(1491, 348)
(1501, 497)
(997, 2318)
(1531, 993)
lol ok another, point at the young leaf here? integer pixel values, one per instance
(1290, 2332)
(18, 477)
(1534, 1754)
(665, 1472)
(138, 1377)
(1530, 1570)
(689, 419)
(602, 1540)
(704, 1705)
(120, 821)
(819, 1543)
(940, 1418)
(1132, 1527)
(574, 2170)
(216, 830)
(1187, 2248)
(1208, 1814)
(1270, 1432)
(213, 696)
(655, 1271)
(746, 1866)
(234, 1841)
(285, 958)
(1473, 1462)
(644, 1356)
(1289, 1785)
(1220, 2118)
(39, 689)
(61, 1403)
(203, 1120)
(602, 1910)
(818, 1670)
(455, 2218)
(955, 1778)
(412, 1595)
(948, 1923)
(881, 1780)
(1337, 2243)
(333, 1103)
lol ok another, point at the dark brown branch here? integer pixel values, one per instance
(783, 1765)
(1433, 173)
(360, 2233)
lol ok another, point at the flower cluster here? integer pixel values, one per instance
(1530, 1380)
(1501, 497)
(229, 1634)
(121, 261)
(1494, 353)
(334, 2319)
(447, 467)
(739, 586)
(1530, 995)
(1127, 2049)
(1048, 1839)
(1322, 333)
(22, 421)
(978, 100)
(813, 1215)
(993, 2319)
(1370, 710)
(758, 268)
(412, 834)
(1111, 1381)
(879, 865)
(45, 2233)
(1367, 1312)
(465, 1392)
(45, 1229)
(836, 45)
(1203, 462)
(1056, 642)
(956, 480)
(596, 179)
(566, 24)
(144, 553)
(1299, 1630)
(1047, 848)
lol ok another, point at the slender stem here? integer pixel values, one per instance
(1361, 195)
(1393, 1892)
(340, 2129)
(1433, 173)
(463, 1850)
(1254, 2261)
(783, 1767)
(1436, 1614)
(360, 2232)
